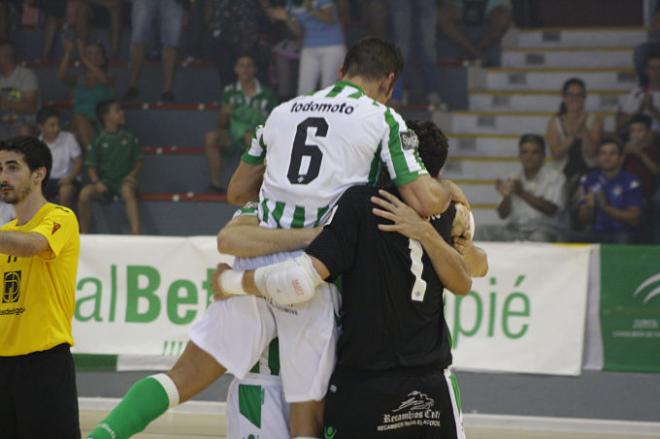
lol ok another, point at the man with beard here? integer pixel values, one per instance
(39, 253)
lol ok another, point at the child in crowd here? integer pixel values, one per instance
(113, 161)
(67, 158)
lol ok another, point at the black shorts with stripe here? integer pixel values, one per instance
(410, 403)
(38, 397)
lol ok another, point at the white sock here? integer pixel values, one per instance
(170, 388)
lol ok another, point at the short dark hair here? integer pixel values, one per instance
(642, 118)
(46, 113)
(611, 140)
(433, 145)
(533, 138)
(103, 107)
(36, 153)
(373, 58)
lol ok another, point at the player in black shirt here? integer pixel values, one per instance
(391, 379)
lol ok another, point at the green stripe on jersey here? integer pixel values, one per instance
(249, 208)
(298, 218)
(335, 90)
(250, 401)
(375, 167)
(357, 95)
(251, 160)
(278, 212)
(394, 146)
(274, 357)
(319, 215)
(264, 210)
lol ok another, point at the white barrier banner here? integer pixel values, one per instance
(139, 295)
(527, 315)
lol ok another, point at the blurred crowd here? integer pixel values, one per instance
(576, 182)
(579, 183)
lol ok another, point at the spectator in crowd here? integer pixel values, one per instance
(19, 94)
(532, 199)
(611, 198)
(641, 156)
(317, 23)
(113, 161)
(94, 85)
(169, 14)
(651, 46)
(67, 158)
(84, 13)
(572, 136)
(403, 16)
(245, 104)
(234, 28)
(644, 99)
(573, 133)
(475, 26)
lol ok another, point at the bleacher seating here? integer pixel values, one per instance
(522, 95)
(502, 103)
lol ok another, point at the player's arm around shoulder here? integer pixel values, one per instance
(399, 146)
(426, 195)
(244, 237)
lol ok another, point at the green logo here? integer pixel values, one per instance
(329, 433)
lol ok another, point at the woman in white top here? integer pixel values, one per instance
(573, 133)
(67, 158)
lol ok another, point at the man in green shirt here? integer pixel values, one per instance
(245, 105)
(113, 161)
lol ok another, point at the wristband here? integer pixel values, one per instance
(231, 282)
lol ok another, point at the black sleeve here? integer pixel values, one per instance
(337, 243)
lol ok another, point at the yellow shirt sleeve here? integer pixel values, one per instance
(58, 227)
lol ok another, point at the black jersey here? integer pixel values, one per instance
(392, 304)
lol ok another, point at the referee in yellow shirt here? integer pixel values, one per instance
(38, 262)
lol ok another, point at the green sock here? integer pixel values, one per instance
(145, 401)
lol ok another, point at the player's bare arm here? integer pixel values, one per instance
(447, 262)
(475, 257)
(245, 183)
(426, 195)
(243, 237)
(22, 244)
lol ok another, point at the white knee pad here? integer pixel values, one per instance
(288, 282)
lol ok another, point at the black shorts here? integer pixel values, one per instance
(401, 403)
(38, 395)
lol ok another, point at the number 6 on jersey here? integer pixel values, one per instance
(299, 174)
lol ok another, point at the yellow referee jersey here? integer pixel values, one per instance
(38, 292)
